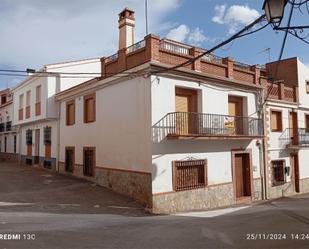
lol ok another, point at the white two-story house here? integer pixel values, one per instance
(184, 139)
(36, 112)
(287, 128)
(8, 136)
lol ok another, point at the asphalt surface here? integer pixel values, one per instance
(47, 210)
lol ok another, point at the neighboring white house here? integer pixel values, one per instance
(176, 140)
(8, 135)
(287, 126)
(36, 112)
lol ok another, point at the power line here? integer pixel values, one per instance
(69, 73)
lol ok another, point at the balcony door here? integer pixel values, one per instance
(235, 110)
(186, 111)
(293, 127)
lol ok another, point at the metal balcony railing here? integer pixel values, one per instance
(202, 124)
(292, 136)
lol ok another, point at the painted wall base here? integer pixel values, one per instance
(130, 183)
(9, 157)
(46, 163)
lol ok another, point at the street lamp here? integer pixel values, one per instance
(274, 10)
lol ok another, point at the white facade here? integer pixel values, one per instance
(121, 133)
(8, 136)
(60, 77)
(211, 100)
(280, 145)
(126, 139)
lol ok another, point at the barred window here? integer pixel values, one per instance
(189, 174)
(28, 137)
(278, 172)
(47, 135)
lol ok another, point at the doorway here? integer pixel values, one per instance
(242, 175)
(295, 168)
(37, 146)
(236, 110)
(186, 111)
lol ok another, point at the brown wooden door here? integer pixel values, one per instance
(186, 108)
(242, 175)
(293, 127)
(295, 167)
(236, 109)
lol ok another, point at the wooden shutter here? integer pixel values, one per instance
(38, 94)
(89, 108)
(71, 113)
(276, 121)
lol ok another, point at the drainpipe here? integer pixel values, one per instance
(262, 151)
(58, 138)
(58, 126)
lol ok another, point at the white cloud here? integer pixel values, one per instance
(197, 36)
(219, 13)
(234, 16)
(182, 33)
(179, 34)
(36, 32)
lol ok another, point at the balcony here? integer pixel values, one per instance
(295, 138)
(186, 125)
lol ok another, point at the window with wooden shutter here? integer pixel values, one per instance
(70, 113)
(89, 161)
(89, 108)
(189, 174)
(276, 121)
(38, 96)
(307, 86)
(278, 172)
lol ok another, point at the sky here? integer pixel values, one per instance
(38, 32)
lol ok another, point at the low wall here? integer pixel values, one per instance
(130, 183)
(9, 157)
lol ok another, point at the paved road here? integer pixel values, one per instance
(63, 212)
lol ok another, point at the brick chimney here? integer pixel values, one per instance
(126, 28)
